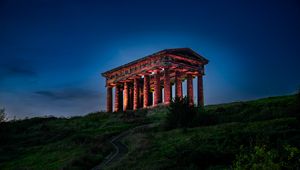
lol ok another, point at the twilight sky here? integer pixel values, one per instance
(52, 52)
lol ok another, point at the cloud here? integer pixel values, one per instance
(68, 94)
(20, 71)
(56, 102)
(16, 67)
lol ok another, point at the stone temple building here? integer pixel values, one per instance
(143, 82)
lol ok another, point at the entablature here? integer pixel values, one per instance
(149, 65)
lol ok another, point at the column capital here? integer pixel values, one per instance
(201, 70)
(199, 73)
(146, 74)
(108, 84)
(156, 71)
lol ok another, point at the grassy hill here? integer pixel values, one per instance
(60, 143)
(219, 136)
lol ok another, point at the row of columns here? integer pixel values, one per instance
(120, 105)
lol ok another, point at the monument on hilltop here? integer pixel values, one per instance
(139, 84)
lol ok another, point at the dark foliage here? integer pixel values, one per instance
(298, 106)
(180, 115)
(263, 157)
(2, 115)
(74, 143)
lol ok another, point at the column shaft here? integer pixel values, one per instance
(135, 93)
(157, 90)
(190, 94)
(130, 97)
(109, 99)
(117, 99)
(178, 85)
(126, 95)
(200, 91)
(167, 87)
(146, 90)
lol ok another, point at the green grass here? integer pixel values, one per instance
(212, 143)
(56, 143)
(216, 140)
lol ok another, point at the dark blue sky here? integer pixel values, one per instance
(52, 52)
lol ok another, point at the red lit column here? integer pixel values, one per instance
(167, 87)
(135, 93)
(178, 85)
(190, 89)
(126, 95)
(109, 99)
(157, 90)
(117, 99)
(130, 98)
(146, 90)
(200, 91)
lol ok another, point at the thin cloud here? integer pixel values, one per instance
(20, 71)
(16, 67)
(67, 94)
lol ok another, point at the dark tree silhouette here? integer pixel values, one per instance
(2, 115)
(181, 114)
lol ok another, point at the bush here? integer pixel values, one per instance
(262, 158)
(204, 118)
(2, 115)
(298, 105)
(180, 114)
(257, 158)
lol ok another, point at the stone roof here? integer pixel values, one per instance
(184, 52)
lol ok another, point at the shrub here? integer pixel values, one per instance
(290, 158)
(260, 157)
(2, 115)
(204, 118)
(257, 158)
(180, 114)
(298, 105)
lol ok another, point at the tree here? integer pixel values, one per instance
(180, 114)
(2, 115)
(297, 110)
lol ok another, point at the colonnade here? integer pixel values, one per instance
(135, 93)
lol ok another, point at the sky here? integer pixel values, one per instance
(52, 52)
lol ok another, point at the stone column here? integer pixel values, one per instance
(109, 99)
(141, 96)
(157, 90)
(126, 95)
(178, 85)
(190, 89)
(135, 93)
(117, 99)
(146, 90)
(167, 87)
(200, 91)
(130, 98)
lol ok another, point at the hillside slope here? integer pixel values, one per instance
(214, 143)
(223, 132)
(60, 143)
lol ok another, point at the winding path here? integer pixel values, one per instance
(119, 148)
